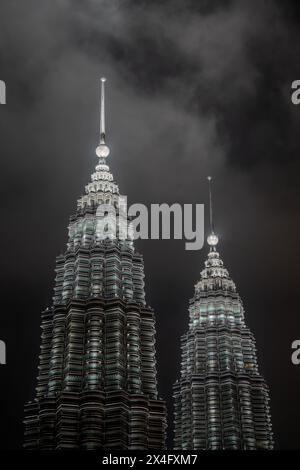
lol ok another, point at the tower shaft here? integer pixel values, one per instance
(97, 384)
(221, 400)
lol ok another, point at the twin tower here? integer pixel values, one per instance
(97, 378)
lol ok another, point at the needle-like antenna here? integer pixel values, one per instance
(102, 111)
(210, 204)
(212, 239)
(102, 150)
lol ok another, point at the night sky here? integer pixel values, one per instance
(194, 88)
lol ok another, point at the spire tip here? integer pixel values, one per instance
(212, 239)
(102, 150)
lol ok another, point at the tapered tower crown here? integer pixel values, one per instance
(97, 383)
(221, 400)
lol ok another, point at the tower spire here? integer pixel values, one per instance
(210, 205)
(102, 151)
(102, 111)
(212, 239)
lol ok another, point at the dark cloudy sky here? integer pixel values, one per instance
(195, 87)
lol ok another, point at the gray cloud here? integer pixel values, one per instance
(195, 88)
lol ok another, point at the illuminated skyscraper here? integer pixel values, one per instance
(97, 386)
(221, 400)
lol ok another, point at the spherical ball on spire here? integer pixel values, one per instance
(103, 79)
(212, 239)
(102, 151)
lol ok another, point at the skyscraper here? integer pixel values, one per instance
(221, 400)
(97, 386)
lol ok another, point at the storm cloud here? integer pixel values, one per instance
(194, 88)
